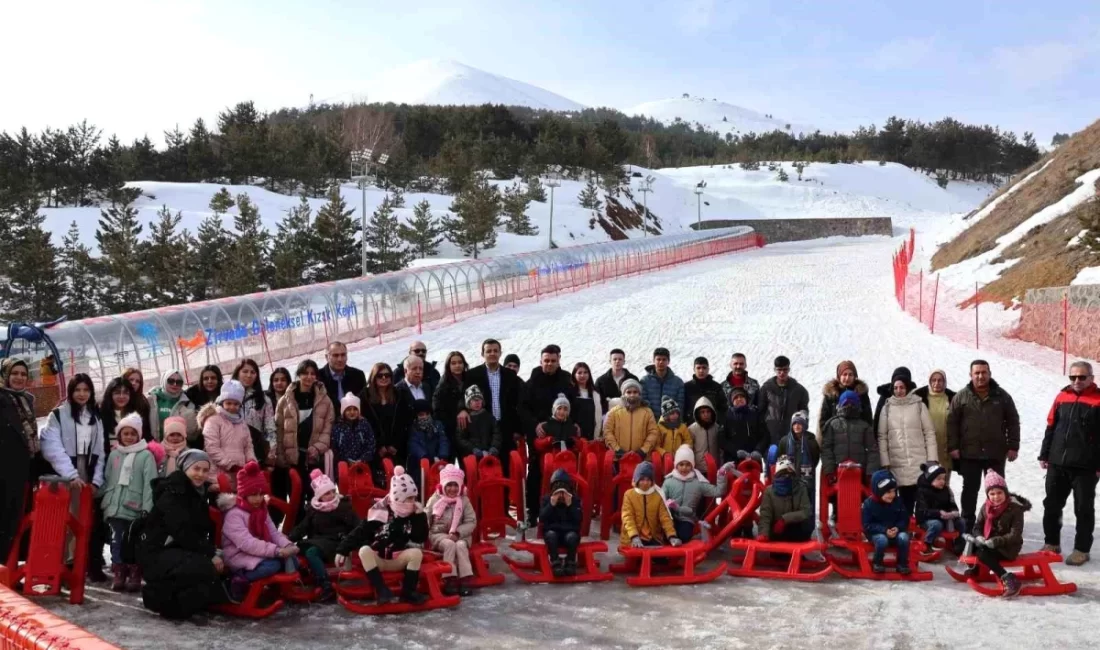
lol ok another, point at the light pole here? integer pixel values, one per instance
(553, 179)
(645, 186)
(363, 159)
(699, 204)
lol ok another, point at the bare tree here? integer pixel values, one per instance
(367, 128)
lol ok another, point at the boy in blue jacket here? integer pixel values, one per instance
(561, 518)
(886, 522)
(427, 439)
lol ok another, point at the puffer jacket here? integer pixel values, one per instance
(687, 493)
(183, 408)
(906, 438)
(795, 508)
(931, 502)
(645, 516)
(241, 551)
(439, 528)
(325, 530)
(389, 537)
(673, 437)
(654, 389)
(983, 429)
(705, 440)
(261, 421)
(129, 501)
(58, 442)
(744, 431)
(286, 425)
(697, 389)
(831, 398)
(849, 437)
(180, 519)
(1008, 529)
(778, 404)
(1072, 436)
(228, 444)
(631, 429)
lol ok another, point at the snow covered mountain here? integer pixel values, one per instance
(714, 115)
(445, 82)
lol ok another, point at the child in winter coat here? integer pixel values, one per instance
(800, 446)
(936, 509)
(173, 444)
(849, 437)
(671, 430)
(427, 439)
(328, 520)
(886, 522)
(389, 539)
(999, 531)
(451, 525)
(253, 548)
(127, 493)
(705, 433)
(561, 517)
(685, 487)
(226, 437)
(744, 430)
(352, 436)
(482, 434)
(646, 520)
(786, 514)
(558, 429)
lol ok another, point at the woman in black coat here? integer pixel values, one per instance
(450, 395)
(19, 440)
(176, 550)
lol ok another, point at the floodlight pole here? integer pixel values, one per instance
(553, 179)
(364, 158)
(645, 187)
(699, 208)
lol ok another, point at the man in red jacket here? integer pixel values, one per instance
(1071, 457)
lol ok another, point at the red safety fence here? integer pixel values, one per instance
(26, 626)
(1063, 321)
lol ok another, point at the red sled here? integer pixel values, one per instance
(681, 568)
(756, 560)
(615, 485)
(429, 477)
(597, 449)
(353, 586)
(1036, 568)
(356, 482)
(49, 525)
(734, 512)
(491, 498)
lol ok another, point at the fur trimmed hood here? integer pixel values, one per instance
(833, 389)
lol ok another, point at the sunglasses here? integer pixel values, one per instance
(175, 382)
(1078, 377)
(384, 375)
(420, 351)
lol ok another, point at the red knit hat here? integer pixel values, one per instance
(251, 480)
(993, 480)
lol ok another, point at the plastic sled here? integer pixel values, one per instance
(1036, 569)
(49, 524)
(681, 567)
(263, 598)
(551, 462)
(597, 449)
(615, 485)
(429, 477)
(735, 511)
(357, 483)
(518, 474)
(491, 499)
(756, 560)
(353, 586)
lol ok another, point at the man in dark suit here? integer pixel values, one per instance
(501, 388)
(431, 373)
(338, 377)
(414, 384)
(535, 406)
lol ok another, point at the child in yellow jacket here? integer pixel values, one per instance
(672, 432)
(646, 518)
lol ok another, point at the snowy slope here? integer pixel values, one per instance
(787, 301)
(445, 82)
(716, 116)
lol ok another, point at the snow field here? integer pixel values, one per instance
(816, 302)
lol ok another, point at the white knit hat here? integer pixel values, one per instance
(685, 453)
(348, 402)
(133, 421)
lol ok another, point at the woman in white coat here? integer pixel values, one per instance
(906, 438)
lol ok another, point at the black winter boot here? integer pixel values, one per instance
(409, 594)
(382, 593)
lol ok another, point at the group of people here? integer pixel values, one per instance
(158, 459)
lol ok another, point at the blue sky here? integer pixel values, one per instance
(133, 66)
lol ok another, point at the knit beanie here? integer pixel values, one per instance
(738, 391)
(846, 365)
(784, 464)
(472, 393)
(684, 454)
(932, 470)
(849, 398)
(561, 481)
(349, 401)
(421, 406)
(511, 358)
(175, 424)
(231, 390)
(189, 457)
(133, 420)
(628, 384)
(801, 416)
(452, 474)
(994, 480)
(643, 470)
(321, 483)
(561, 401)
(882, 482)
(668, 406)
(251, 480)
(903, 374)
(402, 486)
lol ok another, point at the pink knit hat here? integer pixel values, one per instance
(251, 480)
(402, 486)
(321, 483)
(175, 424)
(994, 480)
(451, 474)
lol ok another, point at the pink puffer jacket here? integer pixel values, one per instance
(229, 445)
(240, 550)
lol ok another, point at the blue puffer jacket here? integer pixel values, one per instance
(654, 388)
(879, 516)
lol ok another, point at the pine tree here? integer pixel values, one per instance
(335, 242)
(166, 260)
(397, 197)
(119, 244)
(611, 183)
(781, 175)
(246, 268)
(207, 270)
(590, 196)
(290, 254)
(514, 208)
(222, 202)
(535, 190)
(799, 167)
(35, 288)
(387, 250)
(423, 234)
(81, 277)
(478, 214)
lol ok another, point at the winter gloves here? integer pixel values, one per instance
(636, 541)
(979, 540)
(779, 526)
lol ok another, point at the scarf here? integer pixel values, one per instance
(324, 506)
(131, 453)
(803, 451)
(381, 511)
(234, 418)
(444, 502)
(783, 485)
(991, 514)
(257, 519)
(23, 403)
(687, 477)
(171, 451)
(652, 489)
(405, 509)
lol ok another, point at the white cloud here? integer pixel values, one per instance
(1030, 66)
(902, 53)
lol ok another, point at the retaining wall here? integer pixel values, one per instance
(781, 230)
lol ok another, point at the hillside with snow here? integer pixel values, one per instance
(445, 82)
(715, 116)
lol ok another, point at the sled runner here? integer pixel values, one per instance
(353, 586)
(734, 512)
(1036, 569)
(756, 559)
(679, 565)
